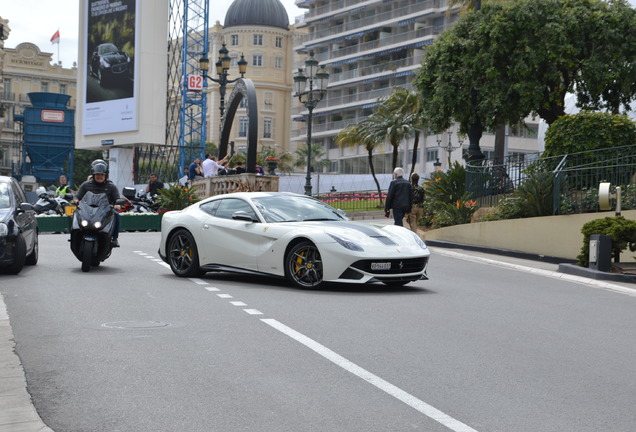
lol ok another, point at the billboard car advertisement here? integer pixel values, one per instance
(110, 85)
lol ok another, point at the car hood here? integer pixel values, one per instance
(361, 233)
(114, 58)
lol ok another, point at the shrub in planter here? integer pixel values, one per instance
(621, 230)
(176, 197)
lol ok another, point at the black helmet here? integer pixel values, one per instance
(96, 161)
(99, 168)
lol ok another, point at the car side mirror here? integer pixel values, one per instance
(243, 216)
(25, 207)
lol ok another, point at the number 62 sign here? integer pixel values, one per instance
(195, 83)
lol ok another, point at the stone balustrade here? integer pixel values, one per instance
(224, 184)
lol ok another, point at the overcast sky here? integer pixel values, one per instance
(36, 21)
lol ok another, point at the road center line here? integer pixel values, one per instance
(378, 382)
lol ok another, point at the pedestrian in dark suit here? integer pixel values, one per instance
(399, 198)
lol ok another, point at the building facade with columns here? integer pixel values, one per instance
(25, 69)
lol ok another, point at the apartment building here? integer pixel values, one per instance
(370, 47)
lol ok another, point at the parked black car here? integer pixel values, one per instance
(18, 228)
(108, 64)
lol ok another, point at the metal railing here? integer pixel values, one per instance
(575, 177)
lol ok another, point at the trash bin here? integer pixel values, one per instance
(600, 252)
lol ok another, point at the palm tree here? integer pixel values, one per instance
(316, 153)
(390, 126)
(356, 134)
(407, 104)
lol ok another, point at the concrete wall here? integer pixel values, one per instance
(556, 236)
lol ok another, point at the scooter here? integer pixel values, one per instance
(92, 230)
(49, 204)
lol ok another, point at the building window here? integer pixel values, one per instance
(243, 123)
(269, 100)
(279, 42)
(7, 89)
(258, 39)
(267, 127)
(279, 63)
(243, 103)
(257, 60)
(234, 41)
(45, 86)
(432, 155)
(63, 88)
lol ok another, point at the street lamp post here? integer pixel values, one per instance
(222, 70)
(311, 87)
(449, 147)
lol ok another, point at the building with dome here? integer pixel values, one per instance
(258, 30)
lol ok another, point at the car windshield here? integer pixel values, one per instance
(5, 201)
(290, 208)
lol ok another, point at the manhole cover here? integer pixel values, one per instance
(137, 324)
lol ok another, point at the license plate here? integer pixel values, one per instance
(381, 266)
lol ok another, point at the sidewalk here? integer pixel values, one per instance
(17, 413)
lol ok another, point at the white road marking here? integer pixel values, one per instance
(238, 303)
(225, 296)
(546, 273)
(378, 382)
(198, 281)
(253, 311)
(166, 265)
(212, 289)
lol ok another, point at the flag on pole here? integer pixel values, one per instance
(55, 39)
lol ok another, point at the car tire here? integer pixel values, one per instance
(32, 259)
(19, 257)
(183, 255)
(100, 78)
(303, 266)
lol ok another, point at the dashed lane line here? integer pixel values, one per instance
(372, 379)
(419, 405)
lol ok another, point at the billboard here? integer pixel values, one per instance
(110, 84)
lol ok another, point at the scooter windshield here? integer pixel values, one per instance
(95, 200)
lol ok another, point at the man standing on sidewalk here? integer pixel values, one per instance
(399, 197)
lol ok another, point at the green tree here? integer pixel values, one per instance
(588, 131)
(389, 125)
(356, 134)
(82, 165)
(407, 104)
(318, 159)
(522, 57)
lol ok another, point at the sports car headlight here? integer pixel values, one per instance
(4, 229)
(347, 243)
(419, 241)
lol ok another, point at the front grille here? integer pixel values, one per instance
(398, 266)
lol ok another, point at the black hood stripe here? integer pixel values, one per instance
(367, 230)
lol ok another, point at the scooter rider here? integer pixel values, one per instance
(100, 184)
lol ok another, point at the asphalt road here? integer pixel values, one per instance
(131, 347)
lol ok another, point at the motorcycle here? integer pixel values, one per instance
(140, 202)
(49, 204)
(92, 230)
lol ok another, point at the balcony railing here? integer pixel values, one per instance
(356, 24)
(411, 36)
